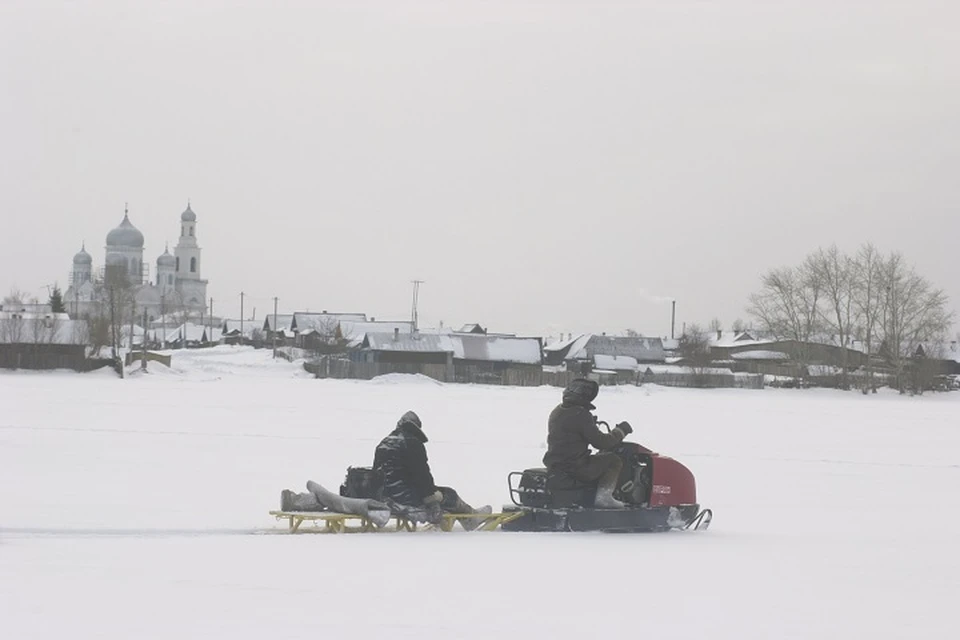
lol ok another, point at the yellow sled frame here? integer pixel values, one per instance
(329, 522)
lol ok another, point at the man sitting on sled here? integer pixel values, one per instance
(408, 486)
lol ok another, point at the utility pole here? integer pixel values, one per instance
(416, 296)
(163, 323)
(275, 301)
(133, 314)
(241, 317)
(113, 325)
(143, 343)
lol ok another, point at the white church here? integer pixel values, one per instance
(177, 288)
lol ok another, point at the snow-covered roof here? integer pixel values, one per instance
(760, 354)
(193, 332)
(190, 332)
(496, 348)
(307, 321)
(615, 363)
(473, 327)
(352, 329)
(17, 330)
(35, 308)
(673, 368)
(283, 320)
(732, 338)
(463, 346)
(560, 345)
(232, 327)
(588, 345)
(421, 342)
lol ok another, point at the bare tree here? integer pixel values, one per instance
(98, 332)
(694, 348)
(739, 326)
(715, 326)
(867, 295)
(880, 300)
(834, 273)
(117, 295)
(12, 329)
(787, 307)
(326, 337)
(44, 329)
(916, 313)
(17, 298)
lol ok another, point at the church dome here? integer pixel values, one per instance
(188, 215)
(83, 257)
(125, 235)
(166, 260)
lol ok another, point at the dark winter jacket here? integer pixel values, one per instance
(401, 458)
(572, 428)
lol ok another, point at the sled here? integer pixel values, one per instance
(330, 522)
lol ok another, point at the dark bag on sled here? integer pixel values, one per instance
(362, 482)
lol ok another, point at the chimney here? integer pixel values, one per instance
(396, 333)
(372, 319)
(324, 312)
(673, 318)
(719, 333)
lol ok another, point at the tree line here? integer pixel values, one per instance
(874, 299)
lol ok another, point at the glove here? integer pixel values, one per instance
(625, 428)
(431, 504)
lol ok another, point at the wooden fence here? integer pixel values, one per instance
(704, 380)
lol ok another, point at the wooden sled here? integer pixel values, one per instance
(331, 522)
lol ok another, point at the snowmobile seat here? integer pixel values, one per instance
(567, 491)
(541, 489)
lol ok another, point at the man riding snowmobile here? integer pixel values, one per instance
(408, 485)
(572, 428)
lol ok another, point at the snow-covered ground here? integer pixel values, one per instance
(126, 508)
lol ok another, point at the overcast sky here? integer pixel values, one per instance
(544, 167)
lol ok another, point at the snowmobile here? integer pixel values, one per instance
(660, 494)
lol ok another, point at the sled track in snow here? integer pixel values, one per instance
(191, 434)
(80, 532)
(857, 463)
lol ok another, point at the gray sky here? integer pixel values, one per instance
(556, 166)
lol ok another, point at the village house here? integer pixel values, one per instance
(42, 341)
(611, 355)
(313, 330)
(461, 357)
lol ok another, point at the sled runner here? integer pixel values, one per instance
(330, 522)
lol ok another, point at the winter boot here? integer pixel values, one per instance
(290, 501)
(605, 487)
(605, 499)
(469, 524)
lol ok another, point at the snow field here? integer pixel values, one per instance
(138, 508)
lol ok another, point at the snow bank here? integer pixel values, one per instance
(405, 378)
